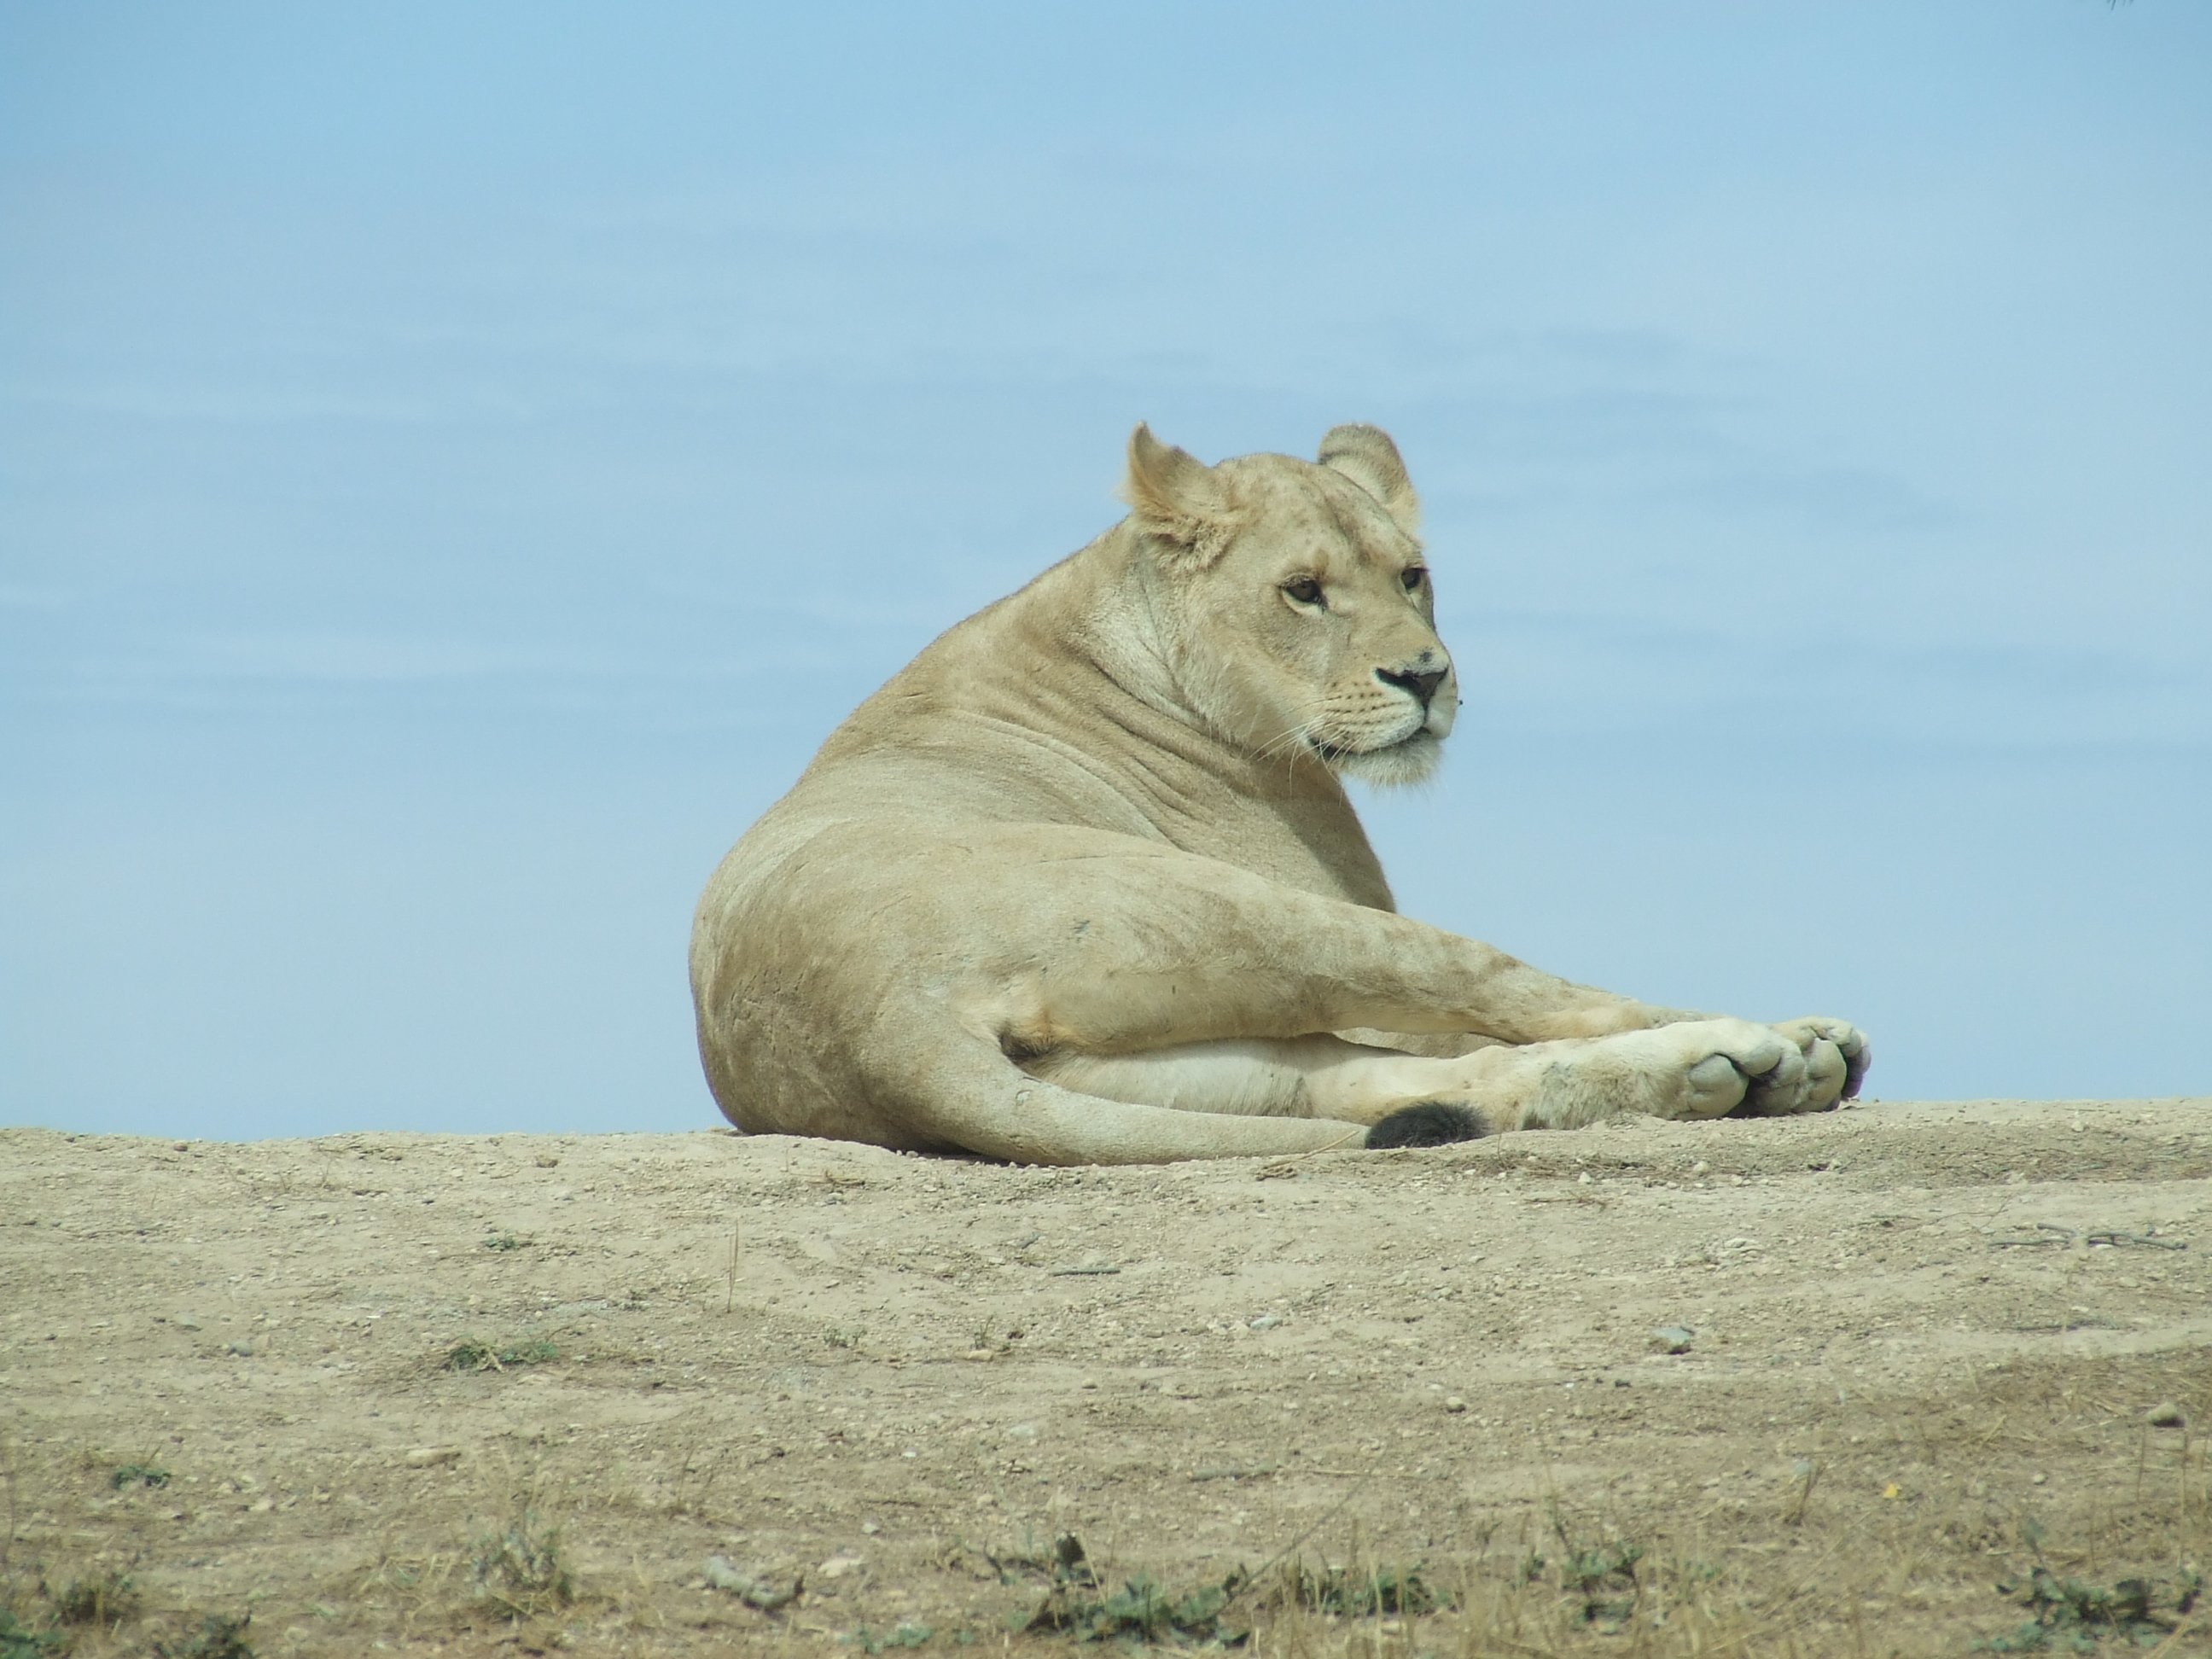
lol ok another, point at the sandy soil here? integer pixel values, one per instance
(1931, 1347)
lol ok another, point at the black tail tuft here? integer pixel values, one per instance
(1432, 1123)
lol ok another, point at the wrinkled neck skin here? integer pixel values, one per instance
(1138, 633)
(1102, 641)
(1132, 624)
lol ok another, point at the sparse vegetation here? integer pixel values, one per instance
(1362, 1593)
(216, 1636)
(908, 1635)
(2070, 1615)
(503, 1242)
(21, 1641)
(1078, 1602)
(1768, 1495)
(138, 1475)
(1141, 1610)
(519, 1569)
(471, 1355)
(107, 1599)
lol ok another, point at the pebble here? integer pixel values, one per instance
(1672, 1339)
(2166, 1415)
(1266, 1322)
(243, 1350)
(430, 1457)
(1454, 1403)
(185, 1323)
(838, 1565)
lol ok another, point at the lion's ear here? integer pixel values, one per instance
(1178, 499)
(1365, 455)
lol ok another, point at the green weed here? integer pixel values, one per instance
(519, 1569)
(107, 1600)
(1077, 1605)
(2071, 1616)
(471, 1355)
(217, 1637)
(20, 1641)
(1357, 1594)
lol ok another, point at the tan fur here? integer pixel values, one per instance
(1081, 884)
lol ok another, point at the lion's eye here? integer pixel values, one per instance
(1414, 575)
(1305, 590)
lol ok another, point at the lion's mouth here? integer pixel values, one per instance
(1333, 751)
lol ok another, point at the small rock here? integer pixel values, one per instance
(1701, 1168)
(838, 1565)
(243, 1350)
(1672, 1339)
(2039, 1479)
(261, 1506)
(1454, 1403)
(1584, 1179)
(430, 1457)
(1266, 1322)
(2167, 1416)
(185, 1323)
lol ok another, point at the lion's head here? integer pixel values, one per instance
(1293, 602)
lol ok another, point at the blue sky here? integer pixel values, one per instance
(457, 463)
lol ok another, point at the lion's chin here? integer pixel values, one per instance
(1408, 761)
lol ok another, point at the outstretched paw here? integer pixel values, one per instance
(1710, 1067)
(1833, 1055)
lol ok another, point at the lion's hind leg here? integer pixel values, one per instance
(1382, 1097)
(1402, 1100)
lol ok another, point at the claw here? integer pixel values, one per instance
(1858, 1057)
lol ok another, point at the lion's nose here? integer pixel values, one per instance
(1423, 685)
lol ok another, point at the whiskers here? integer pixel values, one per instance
(1341, 730)
(1301, 737)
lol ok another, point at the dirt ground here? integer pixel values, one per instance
(625, 1394)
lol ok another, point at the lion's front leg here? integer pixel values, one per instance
(1690, 1069)
(1684, 1066)
(1836, 1054)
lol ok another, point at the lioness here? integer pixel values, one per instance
(1080, 884)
